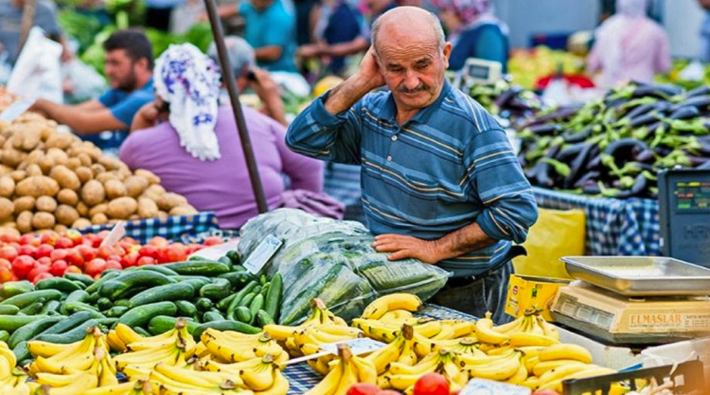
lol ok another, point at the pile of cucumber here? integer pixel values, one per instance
(209, 294)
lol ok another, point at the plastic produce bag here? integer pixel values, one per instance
(334, 261)
(37, 71)
(85, 82)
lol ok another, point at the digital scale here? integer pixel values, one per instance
(476, 71)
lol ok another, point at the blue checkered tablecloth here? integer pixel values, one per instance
(172, 228)
(302, 378)
(614, 226)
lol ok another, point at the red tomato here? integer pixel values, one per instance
(22, 265)
(27, 249)
(44, 250)
(145, 260)
(431, 384)
(113, 264)
(75, 237)
(176, 253)
(212, 241)
(88, 253)
(45, 260)
(41, 276)
(58, 267)
(105, 252)
(95, 266)
(49, 237)
(148, 250)
(59, 254)
(130, 259)
(36, 271)
(6, 275)
(158, 241)
(9, 253)
(73, 269)
(7, 236)
(363, 389)
(75, 258)
(27, 239)
(5, 264)
(64, 242)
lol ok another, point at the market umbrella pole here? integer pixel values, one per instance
(229, 80)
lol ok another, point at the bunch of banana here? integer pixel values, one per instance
(392, 302)
(406, 348)
(140, 387)
(553, 378)
(230, 347)
(68, 358)
(530, 322)
(346, 371)
(502, 366)
(167, 379)
(13, 380)
(100, 373)
(402, 377)
(424, 328)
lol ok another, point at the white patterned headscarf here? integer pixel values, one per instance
(190, 81)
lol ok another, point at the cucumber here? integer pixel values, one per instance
(224, 303)
(106, 323)
(116, 311)
(219, 289)
(162, 323)
(186, 308)
(59, 283)
(141, 315)
(263, 318)
(73, 335)
(247, 299)
(74, 307)
(32, 329)
(200, 268)
(77, 296)
(212, 315)
(168, 292)
(225, 260)
(26, 299)
(105, 276)
(225, 325)
(118, 286)
(240, 295)
(263, 279)
(256, 304)
(160, 269)
(122, 302)
(197, 282)
(203, 304)
(51, 308)
(265, 289)
(243, 314)
(34, 308)
(233, 256)
(4, 336)
(9, 309)
(142, 331)
(12, 288)
(104, 304)
(238, 279)
(82, 278)
(22, 353)
(70, 322)
(273, 297)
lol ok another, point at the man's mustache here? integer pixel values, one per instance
(420, 88)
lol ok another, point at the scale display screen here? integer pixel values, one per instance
(692, 195)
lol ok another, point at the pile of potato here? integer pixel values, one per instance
(53, 180)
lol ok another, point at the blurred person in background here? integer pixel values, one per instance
(158, 13)
(629, 46)
(705, 32)
(474, 31)
(45, 17)
(200, 153)
(248, 76)
(129, 69)
(375, 8)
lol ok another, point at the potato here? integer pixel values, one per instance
(12, 157)
(152, 178)
(43, 220)
(59, 140)
(7, 208)
(68, 197)
(99, 208)
(154, 192)
(122, 208)
(170, 200)
(73, 163)
(66, 178)
(109, 163)
(4, 170)
(33, 170)
(34, 157)
(93, 193)
(25, 203)
(24, 222)
(99, 219)
(134, 217)
(46, 164)
(46, 203)
(183, 210)
(7, 186)
(58, 156)
(135, 185)
(37, 186)
(82, 209)
(105, 176)
(60, 228)
(66, 215)
(147, 208)
(84, 173)
(81, 223)
(97, 169)
(163, 215)
(18, 175)
(84, 158)
(115, 189)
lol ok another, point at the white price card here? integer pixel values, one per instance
(116, 234)
(262, 254)
(357, 346)
(215, 252)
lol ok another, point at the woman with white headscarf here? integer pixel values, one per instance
(192, 144)
(474, 31)
(629, 46)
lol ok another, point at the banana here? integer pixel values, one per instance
(518, 339)
(519, 376)
(566, 351)
(461, 328)
(146, 358)
(531, 382)
(474, 360)
(261, 377)
(320, 365)
(530, 362)
(395, 301)
(228, 349)
(126, 334)
(549, 329)
(377, 330)
(512, 326)
(543, 367)
(229, 368)
(398, 317)
(426, 365)
(8, 355)
(117, 389)
(562, 371)
(499, 371)
(380, 358)
(82, 383)
(280, 332)
(115, 342)
(407, 355)
(485, 332)
(339, 330)
(58, 380)
(428, 328)
(162, 381)
(329, 384)
(499, 351)
(582, 374)
(401, 381)
(191, 377)
(280, 386)
(349, 376)
(366, 371)
(107, 374)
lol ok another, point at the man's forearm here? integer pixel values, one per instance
(460, 242)
(345, 95)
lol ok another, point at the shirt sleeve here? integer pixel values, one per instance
(108, 98)
(280, 31)
(304, 172)
(318, 134)
(495, 177)
(126, 109)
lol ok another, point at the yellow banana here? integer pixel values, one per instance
(320, 365)
(562, 371)
(485, 332)
(380, 358)
(126, 334)
(366, 371)
(461, 328)
(519, 376)
(339, 330)
(162, 381)
(137, 372)
(398, 317)
(566, 351)
(280, 332)
(548, 328)
(107, 372)
(512, 326)
(115, 342)
(191, 377)
(428, 328)
(8, 355)
(401, 381)
(499, 371)
(377, 330)
(82, 383)
(280, 386)
(395, 301)
(426, 365)
(260, 378)
(407, 355)
(543, 367)
(530, 339)
(230, 368)
(329, 384)
(117, 389)
(349, 376)
(593, 372)
(530, 362)
(531, 382)
(147, 358)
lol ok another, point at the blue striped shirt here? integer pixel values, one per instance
(447, 167)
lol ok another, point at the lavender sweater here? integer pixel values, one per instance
(223, 185)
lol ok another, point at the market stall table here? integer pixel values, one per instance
(613, 226)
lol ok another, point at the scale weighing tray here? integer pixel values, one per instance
(619, 319)
(640, 276)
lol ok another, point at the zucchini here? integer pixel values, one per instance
(238, 279)
(141, 315)
(27, 298)
(212, 315)
(79, 277)
(203, 304)
(73, 335)
(116, 311)
(22, 353)
(9, 309)
(73, 307)
(160, 269)
(233, 256)
(122, 302)
(186, 308)
(34, 308)
(224, 303)
(59, 283)
(240, 295)
(32, 329)
(4, 335)
(200, 268)
(51, 308)
(141, 331)
(263, 318)
(70, 322)
(168, 292)
(225, 260)
(263, 279)
(256, 304)
(219, 289)
(197, 282)
(225, 325)
(243, 314)
(77, 296)
(247, 299)
(118, 286)
(105, 276)
(104, 304)
(162, 323)
(273, 296)
(12, 288)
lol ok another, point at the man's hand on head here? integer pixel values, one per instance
(402, 247)
(370, 71)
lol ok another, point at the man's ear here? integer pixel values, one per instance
(143, 63)
(447, 53)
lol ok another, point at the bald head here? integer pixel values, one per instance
(407, 24)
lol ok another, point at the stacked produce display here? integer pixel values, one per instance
(507, 100)
(614, 147)
(528, 66)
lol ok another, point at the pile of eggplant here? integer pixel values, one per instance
(615, 147)
(506, 100)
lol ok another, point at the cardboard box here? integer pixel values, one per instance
(529, 292)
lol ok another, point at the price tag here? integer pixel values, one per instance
(215, 252)
(262, 254)
(116, 234)
(357, 346)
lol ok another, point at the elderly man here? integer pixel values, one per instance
(440, 181)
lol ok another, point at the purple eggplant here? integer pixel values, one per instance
(685, 112)
(577, 136)
(591, 176)
(699, 91)
(661, 91)
(625, 149)
(577, 164)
